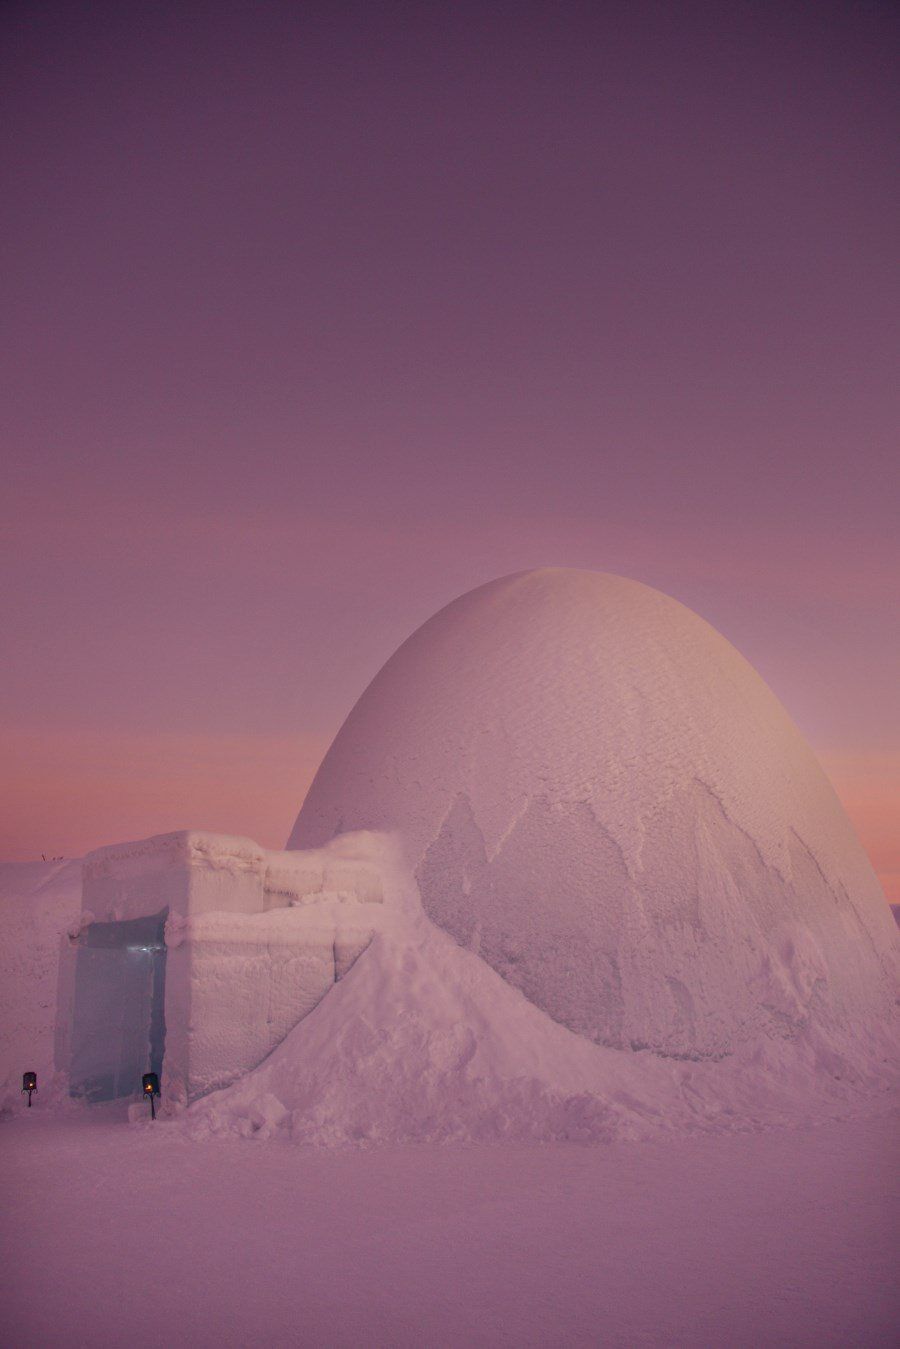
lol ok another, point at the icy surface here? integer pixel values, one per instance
(602, 799)
(124, 1236)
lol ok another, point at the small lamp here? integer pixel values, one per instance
(29, 1084)
(150, 1084)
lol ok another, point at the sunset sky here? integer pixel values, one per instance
(316, 315)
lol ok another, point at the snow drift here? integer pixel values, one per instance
(601, 798)
(423, 1042)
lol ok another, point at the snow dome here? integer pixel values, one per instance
(599, 796)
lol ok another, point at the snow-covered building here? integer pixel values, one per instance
(591, 846)
(602, 798)
(196, 953)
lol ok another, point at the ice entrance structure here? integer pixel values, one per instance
(118, 1029)
(197, 953)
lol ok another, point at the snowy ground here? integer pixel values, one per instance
(116, 1234)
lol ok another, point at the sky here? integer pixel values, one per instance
(316, 316)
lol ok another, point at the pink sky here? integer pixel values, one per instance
(314, 318)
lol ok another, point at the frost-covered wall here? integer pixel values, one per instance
(250, 941)
(39, 902)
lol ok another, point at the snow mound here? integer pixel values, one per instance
(423, 1042)
(602, 799)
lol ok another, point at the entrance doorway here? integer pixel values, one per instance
(119, 1029)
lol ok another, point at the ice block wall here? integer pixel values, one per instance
(253, 941)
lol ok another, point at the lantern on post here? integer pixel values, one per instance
(29, 1084)
(150, 1083)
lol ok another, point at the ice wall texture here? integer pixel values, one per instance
(253, 940)
(39, 903)
(602, 798)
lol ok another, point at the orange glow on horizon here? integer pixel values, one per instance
(66, 793)
(88, 789)
(868, 786)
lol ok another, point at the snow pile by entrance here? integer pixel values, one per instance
(423, 1042)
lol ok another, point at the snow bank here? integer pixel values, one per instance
(602, 799)
(424, 1042)
(39, 902)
